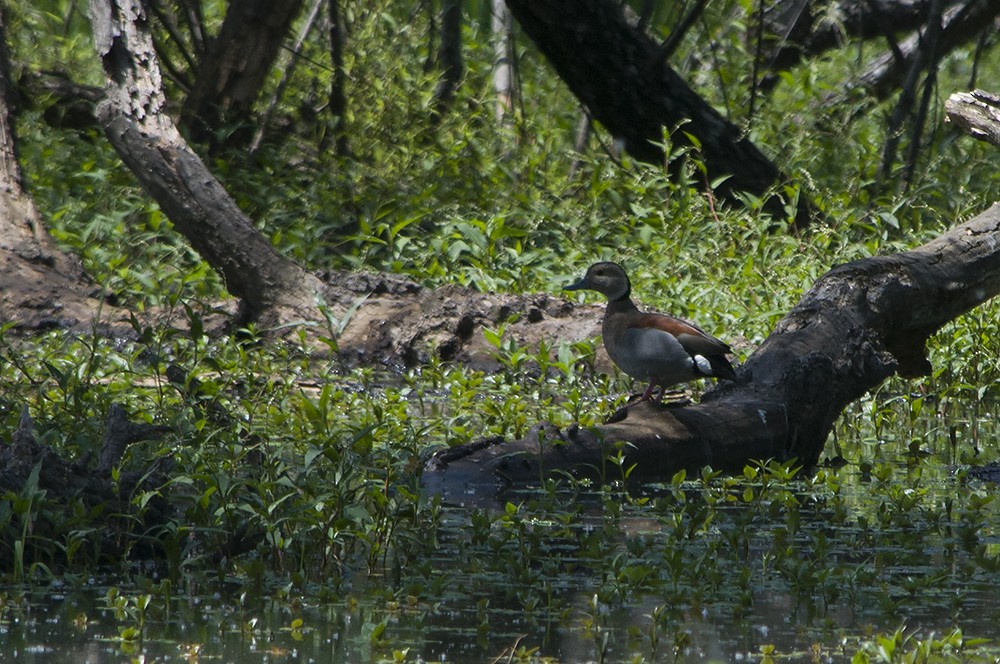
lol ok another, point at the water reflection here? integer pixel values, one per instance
(677, 574)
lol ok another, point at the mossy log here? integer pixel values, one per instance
(859, 324)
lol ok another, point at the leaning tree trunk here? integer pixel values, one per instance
(620, 74)
(797, 29)
(46, 286)
(271, 286)
(887, 73)
(859, 324)
(235, 67)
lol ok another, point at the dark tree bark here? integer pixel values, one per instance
(238, 60)
(288, 69)
(679, 31)
(175, 46)
(338, 82)
(798, 29)
(449, 57)
(271, 286)
(859, 324)
(962, 24)
(619, 74)
(195, 18)
(925, 64)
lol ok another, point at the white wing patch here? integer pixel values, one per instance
(702, 365)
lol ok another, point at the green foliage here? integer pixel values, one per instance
(318, 465)
(53, 36)
(470, 201)
(293, 473)
(903, 646)
(289, 472)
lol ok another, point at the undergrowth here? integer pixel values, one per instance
(298, 472)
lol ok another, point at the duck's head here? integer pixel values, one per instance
(606, 278)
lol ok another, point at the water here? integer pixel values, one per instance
(724, 570)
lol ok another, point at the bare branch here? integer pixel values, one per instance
(976, 112)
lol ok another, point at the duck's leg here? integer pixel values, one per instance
(648, 394)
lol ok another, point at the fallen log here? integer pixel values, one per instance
(859, 324)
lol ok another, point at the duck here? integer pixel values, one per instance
(661, 349)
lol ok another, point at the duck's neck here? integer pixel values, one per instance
(620, 305)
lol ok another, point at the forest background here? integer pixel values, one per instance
(228, 419)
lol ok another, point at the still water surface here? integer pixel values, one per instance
(678, 575)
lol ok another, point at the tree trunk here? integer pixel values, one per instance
(619, 73)
(449, 57)
(504, 80)
(271, 286)
(924, 66)
(338, 80)
(44, 285)
(800, 28)
(287, 70)
(977, 113)
(238, 61)
(962, 24)
(859, 324)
